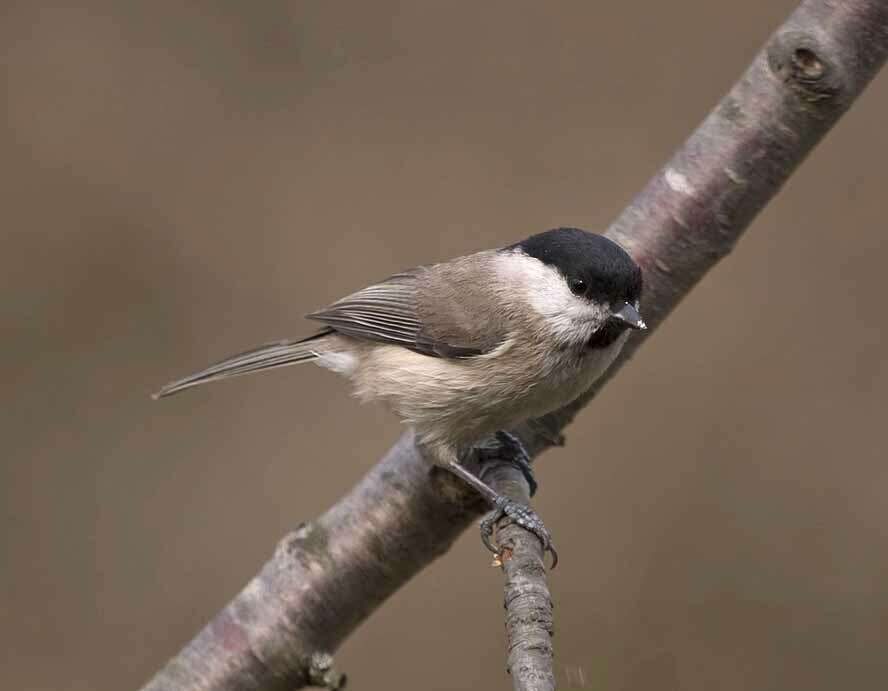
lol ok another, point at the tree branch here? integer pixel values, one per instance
(528, 603)
(329, 575)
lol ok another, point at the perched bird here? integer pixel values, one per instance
(466, 349)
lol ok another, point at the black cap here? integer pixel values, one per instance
(592, 264)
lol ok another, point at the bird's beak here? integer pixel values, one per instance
(628, 315)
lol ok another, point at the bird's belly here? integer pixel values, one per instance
(461, 402)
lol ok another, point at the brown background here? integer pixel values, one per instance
(180, 183)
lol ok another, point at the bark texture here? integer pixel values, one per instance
(329, 575)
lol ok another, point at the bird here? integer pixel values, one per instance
(465, 350)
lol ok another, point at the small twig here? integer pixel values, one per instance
(527, 601)
(322, 674)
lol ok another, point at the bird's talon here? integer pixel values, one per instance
(524, 517)
(487, 527)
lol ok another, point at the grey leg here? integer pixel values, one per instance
(524, 516)
(510, 448)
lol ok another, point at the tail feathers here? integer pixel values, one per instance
(268, 356)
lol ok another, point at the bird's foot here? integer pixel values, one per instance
(524, 516)
(510, 448)
(504, 508)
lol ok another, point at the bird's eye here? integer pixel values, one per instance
(577, 286)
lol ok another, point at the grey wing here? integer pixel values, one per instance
(396, 311)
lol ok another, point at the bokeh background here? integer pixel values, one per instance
(184, 180)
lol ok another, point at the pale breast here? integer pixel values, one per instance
(464, 401)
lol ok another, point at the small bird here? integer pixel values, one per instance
(467, 349)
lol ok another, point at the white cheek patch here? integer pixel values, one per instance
(542, 285)
(566, 315)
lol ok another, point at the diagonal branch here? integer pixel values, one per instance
(329, 575)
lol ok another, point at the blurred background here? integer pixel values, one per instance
(182, 182)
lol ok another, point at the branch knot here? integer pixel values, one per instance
(807, 67)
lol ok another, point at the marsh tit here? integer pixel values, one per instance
(466, 349)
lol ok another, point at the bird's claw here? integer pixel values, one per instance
(525, 517)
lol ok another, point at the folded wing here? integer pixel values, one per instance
(408, 310)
